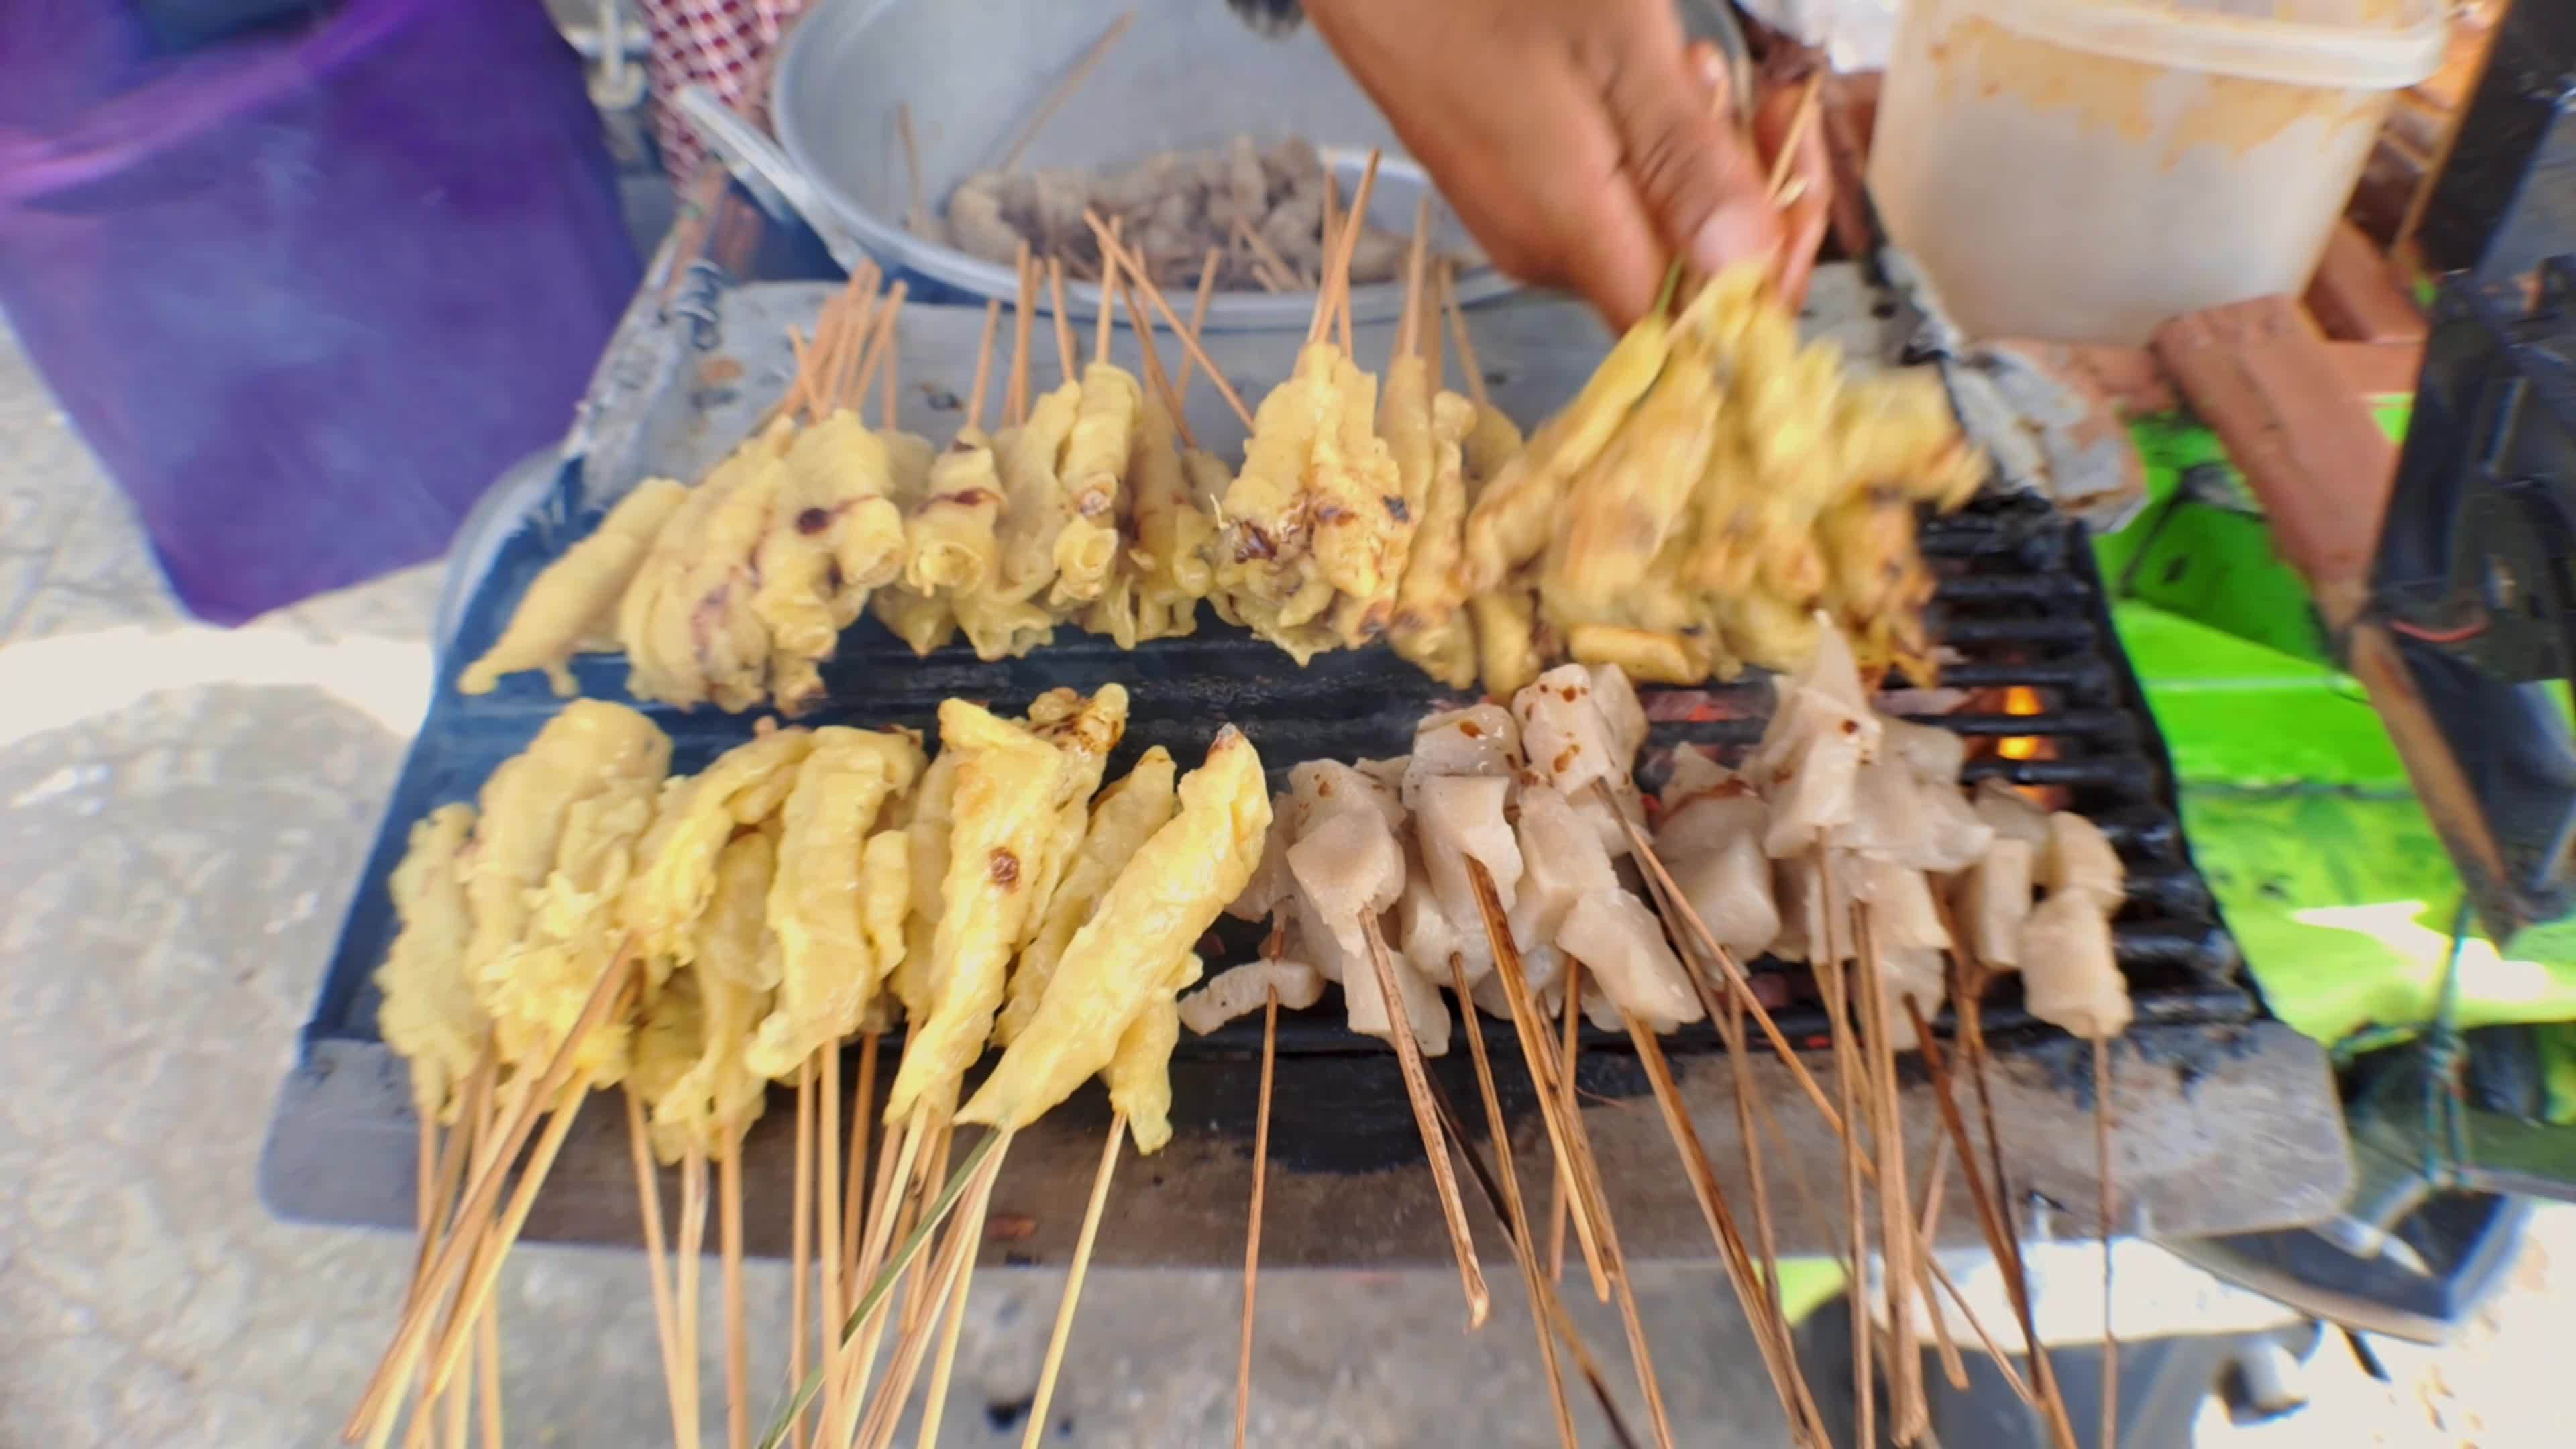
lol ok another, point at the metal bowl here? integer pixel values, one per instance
(1186, 74)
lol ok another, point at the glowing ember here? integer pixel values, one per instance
(2020, 699)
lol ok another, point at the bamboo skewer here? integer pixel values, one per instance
(1152, 360)
(1566, 1132)
(657, 1269)
(2000, 1240)
(1547, 1071)
(1800, 123)
(1015, 402)
(1908, 1413)
(828, 1212)
(2102, 1204)
(1063, 91)
(1553, 1303)
(983, 364)
(853, 1189)
(1769, 1335)
(917, 1306)
(487, 1380)
(948, 1290)
(1734, 974)
(1834, 985)
(1062, 1333)
(1068, 353)
(1468, 362)
(1408, 1054)
(800, 1241)
(1108, 295)
(970, 1230)
(1276, 275)
(1515, 1214)
(1163, 308)
(1561, 1191)
(1198, 320)
(737, 1330)
(1252, 1228)
(492, 1159)
(686, 1269)
(854, 1357)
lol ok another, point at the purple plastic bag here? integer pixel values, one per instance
(306, 298)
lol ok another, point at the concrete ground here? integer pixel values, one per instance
(182, 811)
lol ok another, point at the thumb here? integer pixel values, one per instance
(1695, 174)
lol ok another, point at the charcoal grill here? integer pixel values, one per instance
(2229, 1123)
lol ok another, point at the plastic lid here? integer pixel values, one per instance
(2345, 44)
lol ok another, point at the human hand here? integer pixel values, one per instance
(1581, 141)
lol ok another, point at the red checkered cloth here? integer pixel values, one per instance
(728, 46)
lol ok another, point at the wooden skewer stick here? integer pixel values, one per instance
(1324, 244)
(1560, 1192)
(1569, 1139)
(1107, 319)
(1547, 1070)
(1799, 124)
(492, 1158)
(916, 212)
(657, 1263)
(1777, 1356)
(880, 353)
(1198, 320)
(949, 1289)
(1063, 91)
(487, 1379)
(1333, 297)
(2102, 1205)
(474, 1293)
(854, 1357)
(1408, 328)
(1015, 402)
(1417, 1087)
(1991, 1218)
(1515, 1212)
(800, 1215)
(1062, 1333)
(918, 1306)
(1834, 984)
(1644, 847)
(737, 1329)
(1467, 359)
(1068, 355)
(1908, 1411)
(862, 1118)
(1155, 377)
(1189, 337)
(691, 1260)
(1273, 270)
(983, 364)
(1730, 1027)
(971, 1230)
(1252, 1229)
(1553, 1304)
(828, 1211)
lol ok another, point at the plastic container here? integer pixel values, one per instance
(2081, 170)
(306, 293)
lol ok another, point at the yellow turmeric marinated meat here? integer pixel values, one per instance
(818, 898)
(1104, 432)
(429, 1016)
(1430, 627)
(926, 851)
(568, 602)
(1638, 490)
(1512, 518)
(1139, 1073)
(832, 537)
(951, 543)
(1033, 498)
(1263, 520)
(1122, 958)
(1085, 728)
(656, 631)
(1507, 651)
(1126, 815)
(572, 937)
(734, 964)
(743, 787)
(1356, 500)
(1004, 814)
(924, 622)
(588, 749)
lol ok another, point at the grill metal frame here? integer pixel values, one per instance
(2019, 600)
